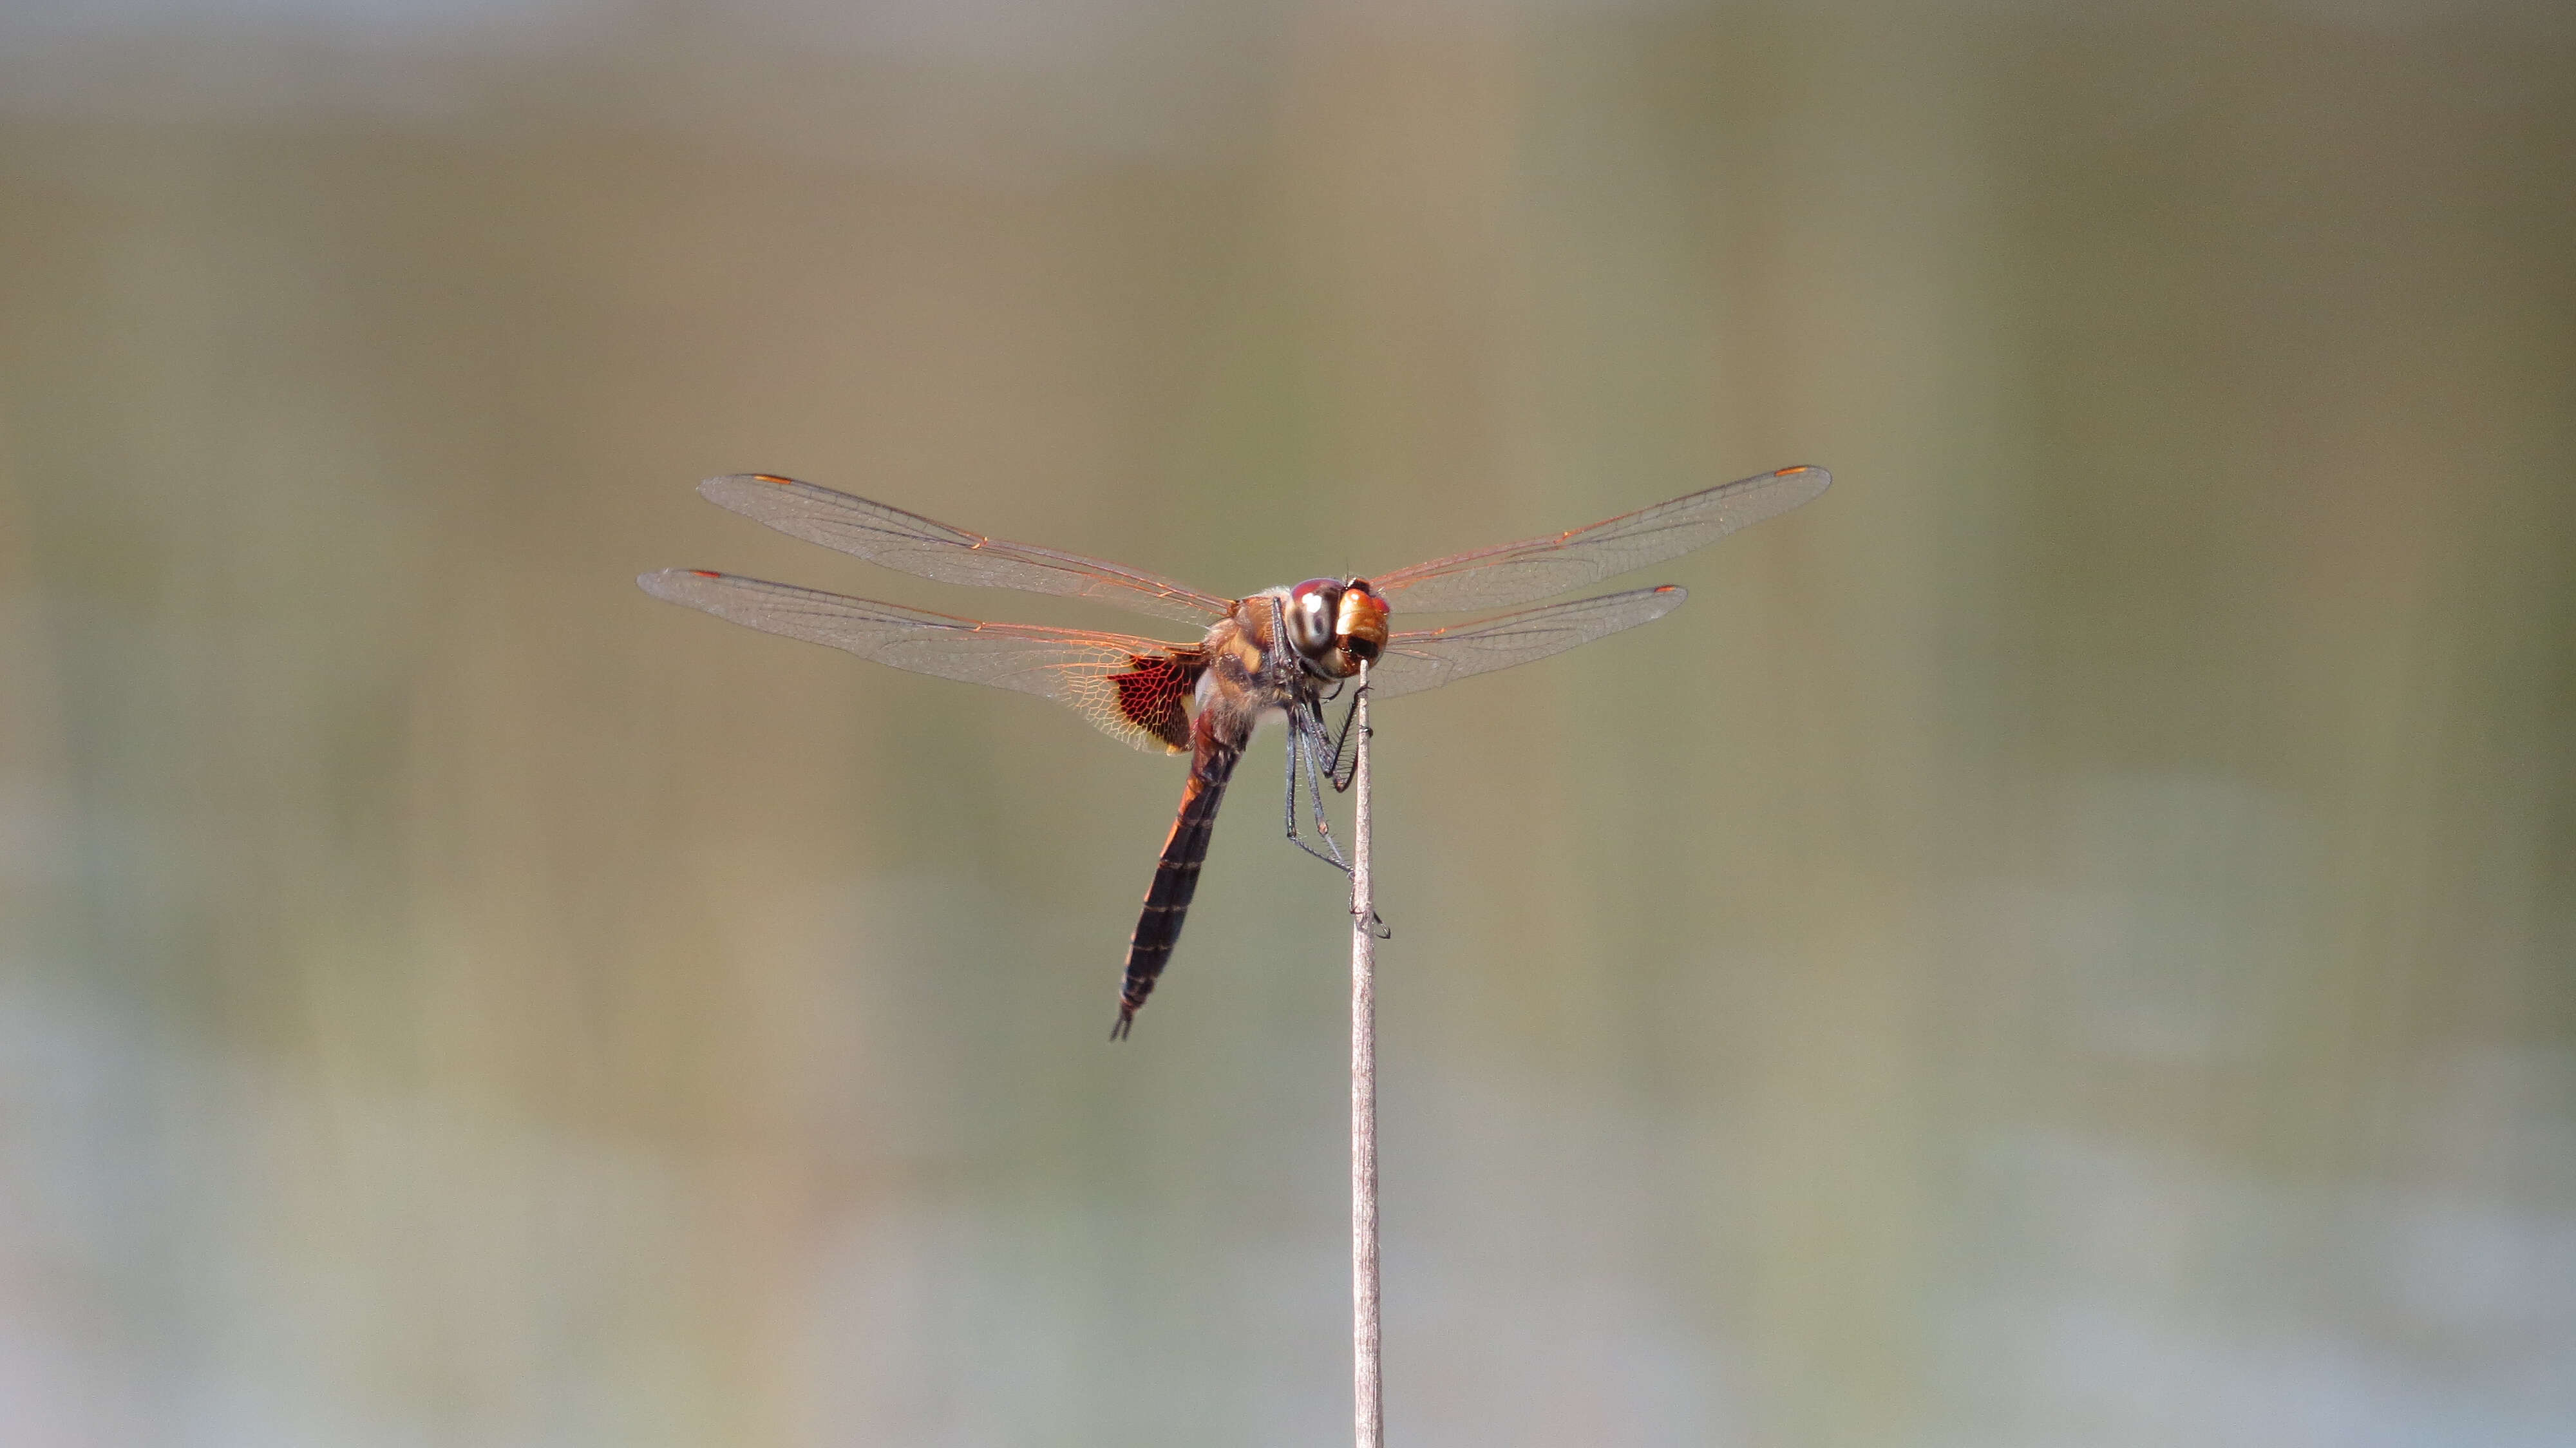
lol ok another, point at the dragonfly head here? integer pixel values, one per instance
(1336, 626)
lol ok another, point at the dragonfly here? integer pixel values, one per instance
(1281, 653)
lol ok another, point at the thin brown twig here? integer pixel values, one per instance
(1368, 1415)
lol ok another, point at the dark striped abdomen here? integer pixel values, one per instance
(1176, 876)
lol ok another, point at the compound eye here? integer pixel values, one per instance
(1311, 616)
(1360, 622)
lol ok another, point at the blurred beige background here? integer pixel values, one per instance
(2065, 940)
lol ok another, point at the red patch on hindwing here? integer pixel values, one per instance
(1154, 689)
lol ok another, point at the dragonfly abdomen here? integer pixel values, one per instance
(1176, 874)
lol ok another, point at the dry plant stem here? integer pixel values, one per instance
(1368, 1418)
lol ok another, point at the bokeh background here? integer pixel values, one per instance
(2068, 939)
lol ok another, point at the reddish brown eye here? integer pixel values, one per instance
(1312, 613)
(1359, 622)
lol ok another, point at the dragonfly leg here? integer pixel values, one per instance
(1314, 731)
(1342, 778)
(1297, 750)
(1342, 782)
(1305, 737)
(1283, 655)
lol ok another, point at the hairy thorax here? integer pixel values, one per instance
(1249, 670)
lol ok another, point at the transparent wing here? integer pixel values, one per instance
(1511, 573)
(915, 544)
(1132, 689)
(1429, 658)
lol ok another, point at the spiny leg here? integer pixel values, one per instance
(1283, 654)
(1298, 748)
(1342, 781)
(1311, 725)
(1314, 729)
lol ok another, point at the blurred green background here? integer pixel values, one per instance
(2068, 939)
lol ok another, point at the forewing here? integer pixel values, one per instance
(1429, 658)
(915, 544)
(1513, 573)
(1133, 689)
